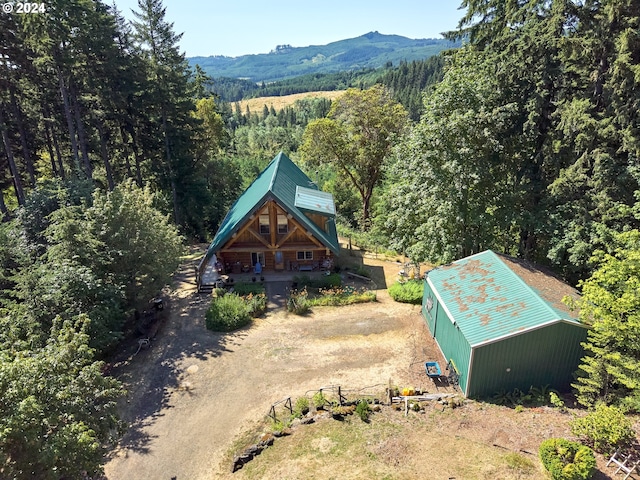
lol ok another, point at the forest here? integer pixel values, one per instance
(114, 154)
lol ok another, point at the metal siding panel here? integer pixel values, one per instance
(452, 343)
(429, 317)
(547, 356)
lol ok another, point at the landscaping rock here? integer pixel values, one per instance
(267, 440)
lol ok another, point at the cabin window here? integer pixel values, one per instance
(283, 223)
(264, 224)
(308, 255)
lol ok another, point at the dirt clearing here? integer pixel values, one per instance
(195, 397)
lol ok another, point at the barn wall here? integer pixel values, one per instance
(453, 344)
(546, 356)
(429, 314)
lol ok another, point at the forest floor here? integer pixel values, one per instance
(197, 398)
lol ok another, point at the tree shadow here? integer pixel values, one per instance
(151, 375)
(351, 262)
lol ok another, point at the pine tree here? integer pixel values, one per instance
(169, 109)
(610, 304)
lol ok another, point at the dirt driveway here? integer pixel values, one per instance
(194, 391)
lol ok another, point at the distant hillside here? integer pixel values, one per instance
(372, 50)
(407, 82)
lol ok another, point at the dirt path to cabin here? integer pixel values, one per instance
(194, 391)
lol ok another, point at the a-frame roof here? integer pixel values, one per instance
(491, 296)
(278, 181)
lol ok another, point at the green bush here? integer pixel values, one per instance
(361, 270)
(342, 296)
(301, 408)
(606, 428)
(566, 460)
(257, 303)
(363, 410)
(298, 302)
(219, 292)
(407, 292)
(557, 402)
(325, 281)
(319, 400)
(227, 313)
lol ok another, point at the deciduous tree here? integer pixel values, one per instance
(57, 409)
(357, 138)
(453, 189)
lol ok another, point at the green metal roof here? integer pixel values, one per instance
(490, 296)
(278, 181)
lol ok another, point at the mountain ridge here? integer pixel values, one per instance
(371, 50)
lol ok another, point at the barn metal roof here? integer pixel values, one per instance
(278, 181)
(490, 296)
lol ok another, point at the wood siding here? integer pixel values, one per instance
(250, 239)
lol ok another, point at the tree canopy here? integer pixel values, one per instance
(357, 137)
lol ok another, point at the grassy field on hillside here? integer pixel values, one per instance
(256, 105)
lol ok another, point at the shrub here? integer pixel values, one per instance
(279, 426)
(517, 397)
(342, 296)
(362, 271)
(319, 400)
(606, 428)
(257, 304)
(302, 407)
(631, 403)
(227, 313)
(298, 302)
(219, 292)
(566, 460)
(363, 410)
(407, 292)
(325, 281)
(557, 402)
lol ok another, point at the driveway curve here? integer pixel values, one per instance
(193, 392)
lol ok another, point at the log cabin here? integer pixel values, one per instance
(281, 222)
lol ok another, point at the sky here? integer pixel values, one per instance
(241, 27)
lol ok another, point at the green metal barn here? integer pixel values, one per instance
(502, 324)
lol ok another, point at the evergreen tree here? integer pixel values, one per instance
(610, 304)
(593, 197)
(169, 110)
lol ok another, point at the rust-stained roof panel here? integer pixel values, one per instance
(492, 296)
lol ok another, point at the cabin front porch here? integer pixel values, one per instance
(243, 267)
